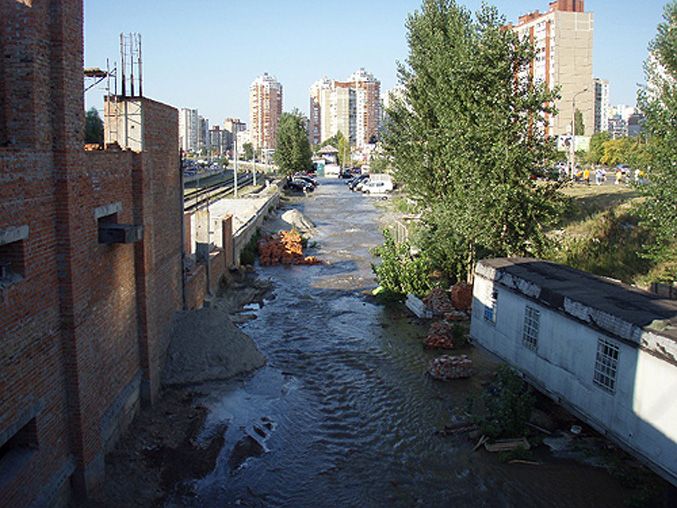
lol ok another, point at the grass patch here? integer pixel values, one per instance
(601, 233)
(587, 201)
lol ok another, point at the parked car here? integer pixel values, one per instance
(298, 185)
(306, 178)
(357, 181)
(378, 184)
(375, 187)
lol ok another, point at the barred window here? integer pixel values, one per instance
(530, 335)
(606, 365)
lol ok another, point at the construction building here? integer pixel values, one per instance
(90, 259)
(562, 38)
(265, 109)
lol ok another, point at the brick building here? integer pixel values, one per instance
(90, 259)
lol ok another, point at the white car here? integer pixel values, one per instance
(377, 184)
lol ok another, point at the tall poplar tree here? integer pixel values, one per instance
(293, 152)
(467, 136)
(659, 104)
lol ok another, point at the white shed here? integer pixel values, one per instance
(604, 350)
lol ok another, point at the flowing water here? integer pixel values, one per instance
(344, 415)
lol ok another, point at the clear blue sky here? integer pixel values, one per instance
(204, 53)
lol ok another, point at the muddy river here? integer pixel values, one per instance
(344, 415)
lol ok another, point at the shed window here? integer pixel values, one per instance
(606, 365)
(531, 323)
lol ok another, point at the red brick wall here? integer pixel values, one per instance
(217, 267)
(196, 287)
(86, 329)
(32, 367)
(162, 209)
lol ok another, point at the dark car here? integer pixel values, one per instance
(297, 185)
(312, 181)
(357, 180)
(346, 173)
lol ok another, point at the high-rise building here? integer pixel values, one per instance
(562, 37)
(320, 93)
(367, 107)
(231, 126)
(618, 126)
(265, 108)
(601, 105)
(352, 107)
(188, 129)
(202, 133)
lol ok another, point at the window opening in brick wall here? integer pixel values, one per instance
(606, 365)
(490, 306)
(531, 324)
(12, 263)
(17, 448)
(101, 223)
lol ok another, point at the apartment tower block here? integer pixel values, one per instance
(562, 37)
(352, 107)
(265, 109)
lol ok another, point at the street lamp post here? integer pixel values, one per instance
(573, 132)
(235, 167)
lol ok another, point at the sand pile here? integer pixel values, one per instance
(207, 346)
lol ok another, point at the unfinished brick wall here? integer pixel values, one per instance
(34, 380)
(84, 329)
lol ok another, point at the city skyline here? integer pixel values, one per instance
(217, 83)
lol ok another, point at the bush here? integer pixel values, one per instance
(248, 254)
(509, 402)
(400, 272)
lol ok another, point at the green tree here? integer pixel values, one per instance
(578, 123)
(596, 150)
(248, 150)
(293, 149)
(343, 146)
(659, 104)
(465, 138)
(93, 127)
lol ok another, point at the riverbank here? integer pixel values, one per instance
(344, 409)
(166, 446)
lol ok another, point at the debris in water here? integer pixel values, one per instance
(284, 248)
(448, 367)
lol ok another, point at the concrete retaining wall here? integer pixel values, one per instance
(248, 229)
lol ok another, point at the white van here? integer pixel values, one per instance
(378, 184)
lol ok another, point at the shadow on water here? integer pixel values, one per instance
(343, 413)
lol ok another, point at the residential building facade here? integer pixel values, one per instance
(218, 140)
(189, 127)
(320, 95)
(367, 107)
(618, 126)
(601, 105)
(563, 38)
(202, 133)
(265, 109)
(352, 107)
(604, 350)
